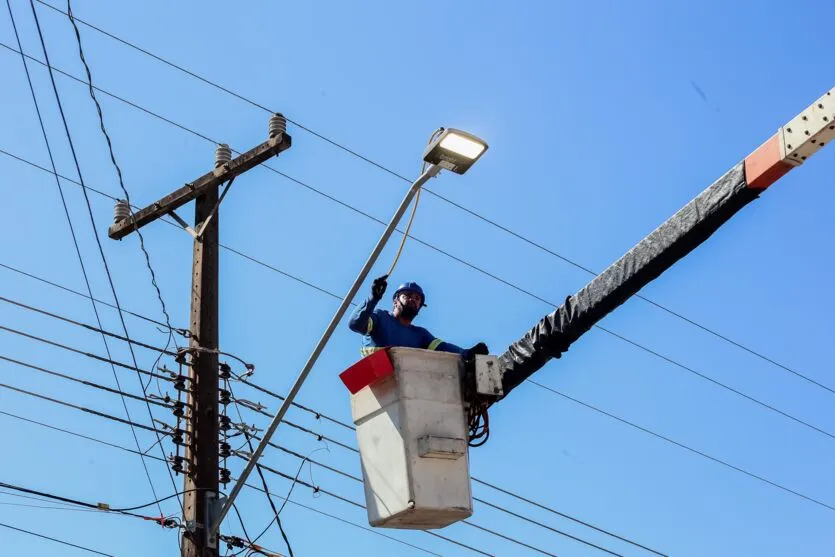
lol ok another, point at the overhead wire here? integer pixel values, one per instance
(459, 206)
(126, 449)
(70, 290)
(685, 447)
(43, 536)
(103, 128)
(477, 499)
(539, 385)
(95, 229)
(84, 409)
(86, 326)
(79, 435)
(329, 293)
(83, 382)
(318, 489)
(276, 512)
(636, 426)
(550, 303)
(83, 353)
(69, 220)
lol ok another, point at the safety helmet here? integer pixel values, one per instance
(410, 287)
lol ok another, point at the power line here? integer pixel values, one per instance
(683, 446)
(96, 236)
(475, 214)
(119, 447)
(121, 180)
(563, 515)
(263, 481)
(83, 382)
(80, 435)
(507, 283)
(357, 479)
(477, 499)
(87, 549)
(636, 426)
(70, 290)
(553, 391)
(67, 214)
(637, 345)
(83, 353)
(83, 409)
(317, 489)
(86, 326)
(336, 296)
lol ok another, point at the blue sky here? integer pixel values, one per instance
(603, 119)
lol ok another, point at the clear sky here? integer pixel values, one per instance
(603, 119)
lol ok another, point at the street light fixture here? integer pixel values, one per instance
(454, 150)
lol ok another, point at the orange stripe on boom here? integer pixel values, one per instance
(765, 166)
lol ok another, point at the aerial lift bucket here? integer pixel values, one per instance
(410, 411)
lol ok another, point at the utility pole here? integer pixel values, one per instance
(201, 501)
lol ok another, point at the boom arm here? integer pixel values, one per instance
(694, 223)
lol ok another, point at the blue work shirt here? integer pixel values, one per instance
(381, 329)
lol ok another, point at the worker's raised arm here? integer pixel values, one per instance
(362, 320)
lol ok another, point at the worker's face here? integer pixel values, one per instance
(407, 304)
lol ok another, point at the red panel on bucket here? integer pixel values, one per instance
(367, 371)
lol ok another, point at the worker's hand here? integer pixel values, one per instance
(378, 287)
(479, 348)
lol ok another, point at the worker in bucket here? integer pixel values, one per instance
(382, 329)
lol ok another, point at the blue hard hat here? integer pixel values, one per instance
(410, 287)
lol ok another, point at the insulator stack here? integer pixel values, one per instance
(180, 383)
(225, 396)
(278, 125)
(225, 476)
(121, 210)
(223, 154)
(225, 423)
(177, 437)
(225, 371)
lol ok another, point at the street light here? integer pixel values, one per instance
(452, 149)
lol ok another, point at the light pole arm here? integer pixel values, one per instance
(343, 307)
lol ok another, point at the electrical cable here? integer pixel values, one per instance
(348, 522)
(636, 426)
(80, 435)
(563, 515)
(355, 504)
(469, 523)
(69, 220)
(86, 326)
(336, 296)
(685, 447)
(605, 413)
(70, 290)
(264, 482)
(414, 210)
(87, 549)
(83, 382)
(83, 409)
(312, 461)
(475, 214)
(477, 499)
(105, 507)
(95, 233)
(121, 180)
(83, 353)
(550, 304)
